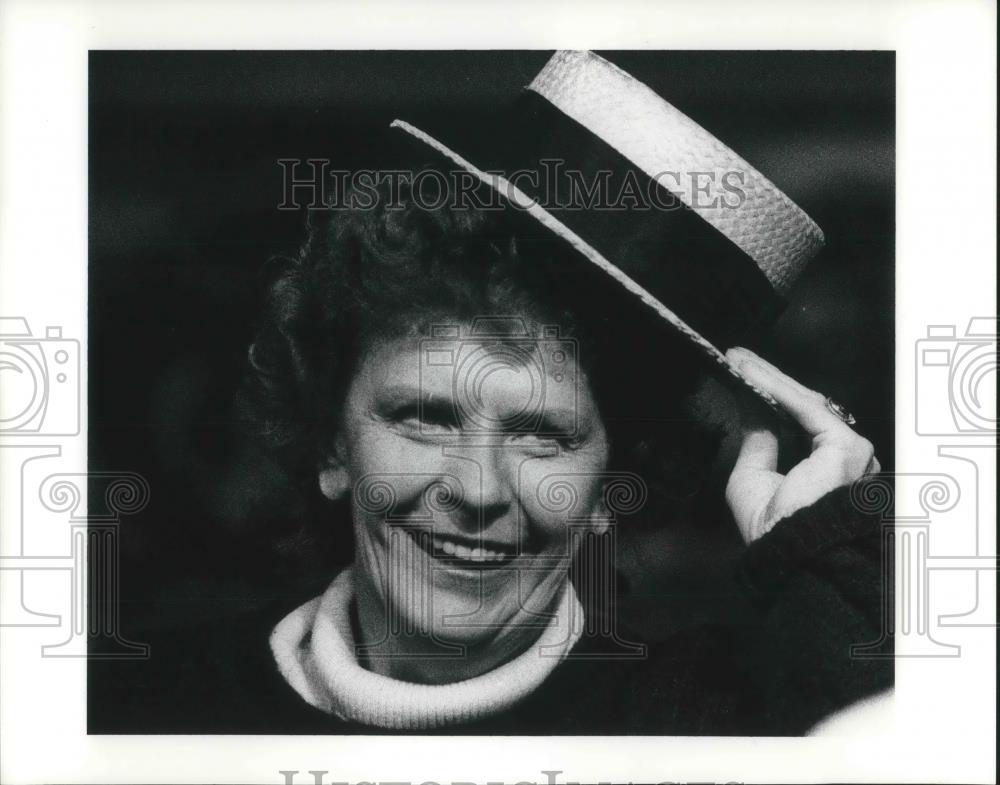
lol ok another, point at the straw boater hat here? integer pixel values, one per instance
(719, 247)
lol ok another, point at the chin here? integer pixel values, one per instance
(462, 603)
(455, 608)
(465, 619)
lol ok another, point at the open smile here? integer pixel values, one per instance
(462, 553)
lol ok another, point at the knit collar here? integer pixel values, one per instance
(315, 652)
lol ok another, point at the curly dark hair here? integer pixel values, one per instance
(397, 268)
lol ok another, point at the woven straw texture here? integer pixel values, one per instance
(766, 225)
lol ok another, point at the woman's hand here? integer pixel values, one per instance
(756, 493)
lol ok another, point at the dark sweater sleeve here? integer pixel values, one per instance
(823, 587)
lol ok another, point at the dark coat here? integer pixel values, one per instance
(818, 588)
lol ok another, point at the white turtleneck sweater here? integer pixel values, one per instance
(314, 648)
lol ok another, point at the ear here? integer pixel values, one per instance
(334, 480)
(600, 516)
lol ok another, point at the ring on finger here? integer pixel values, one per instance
(840, 412)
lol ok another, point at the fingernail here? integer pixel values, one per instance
(738, 357)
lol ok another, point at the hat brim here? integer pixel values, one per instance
(511, 193)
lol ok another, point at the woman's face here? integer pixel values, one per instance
(474, 464)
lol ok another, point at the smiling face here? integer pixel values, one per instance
(465, 469)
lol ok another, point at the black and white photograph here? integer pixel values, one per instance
(499, 396)
(450, 451)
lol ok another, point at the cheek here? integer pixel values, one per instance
(555, 496)
(389, 474)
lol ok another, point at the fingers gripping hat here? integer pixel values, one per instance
(713, 252)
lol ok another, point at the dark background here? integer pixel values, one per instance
(184, 188)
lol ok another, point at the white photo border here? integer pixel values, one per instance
(940, 726)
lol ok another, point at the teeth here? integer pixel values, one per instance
(469, 554)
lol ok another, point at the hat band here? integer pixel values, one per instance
(614, 106)
(630, 218)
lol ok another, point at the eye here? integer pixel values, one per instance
(556, 428)
(428, 417)
(564, 442)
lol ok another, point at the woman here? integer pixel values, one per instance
(472, 389)
(459, 612)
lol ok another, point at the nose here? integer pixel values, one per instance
(487, 492)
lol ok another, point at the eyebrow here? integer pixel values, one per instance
(400, 393)
(561, 420)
